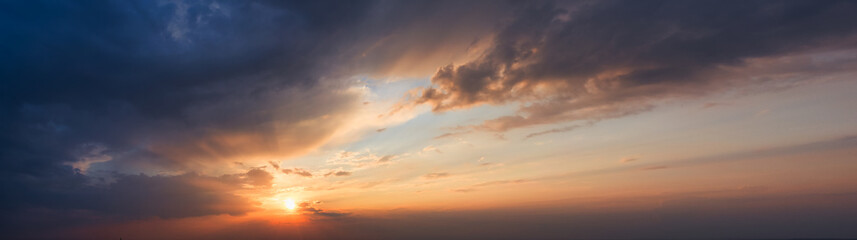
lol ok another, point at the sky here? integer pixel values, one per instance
(215, 119)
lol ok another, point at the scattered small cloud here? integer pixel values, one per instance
(463, 190)
(274, 164)
(654, 167)
(309, 207)
(297, 171)
(474, 187)
(483, 163)
(381, 130)
(490, 164)
(430, 148)
(501, 182)
(628, 159)
(555, 130)
(452, 134)
(386, 158)
(338, 174)
(436, 175)
(358, 160)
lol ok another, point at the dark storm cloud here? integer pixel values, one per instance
(118, 88)
(158, 84)
(597, 60)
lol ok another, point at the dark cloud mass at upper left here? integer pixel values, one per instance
(145, 86)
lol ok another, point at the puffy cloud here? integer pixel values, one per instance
(259, 177)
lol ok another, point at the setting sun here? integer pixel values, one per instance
(290, 204)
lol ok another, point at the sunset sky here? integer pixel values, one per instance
(428, 119)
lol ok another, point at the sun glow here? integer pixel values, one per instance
(290, 204)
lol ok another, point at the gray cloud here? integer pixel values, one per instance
(599, 60)
(338, 174)
(310, 208)
(386, 158)
(274, 164)
(298, 171)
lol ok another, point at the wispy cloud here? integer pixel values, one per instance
(436, 175)
(475, 187)
(338, 174)
(297, 171)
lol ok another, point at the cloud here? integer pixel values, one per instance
(309, 208)
(452, 134)
(169, 87)
(785, 151)
(386, 158)
(274, 164)
(338, 174)
(477, 186)
(555, 130)
(430, 148)
(436, 175)
(628, 159)
(259, 177)
(138, 196)
(298, 171)
(658, 167)
(602, 60)
(176, 197)
(359, 160)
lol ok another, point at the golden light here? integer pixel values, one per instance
(290, 204)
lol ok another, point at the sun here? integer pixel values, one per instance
(290, 204)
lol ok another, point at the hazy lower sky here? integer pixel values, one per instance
(428, 119)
